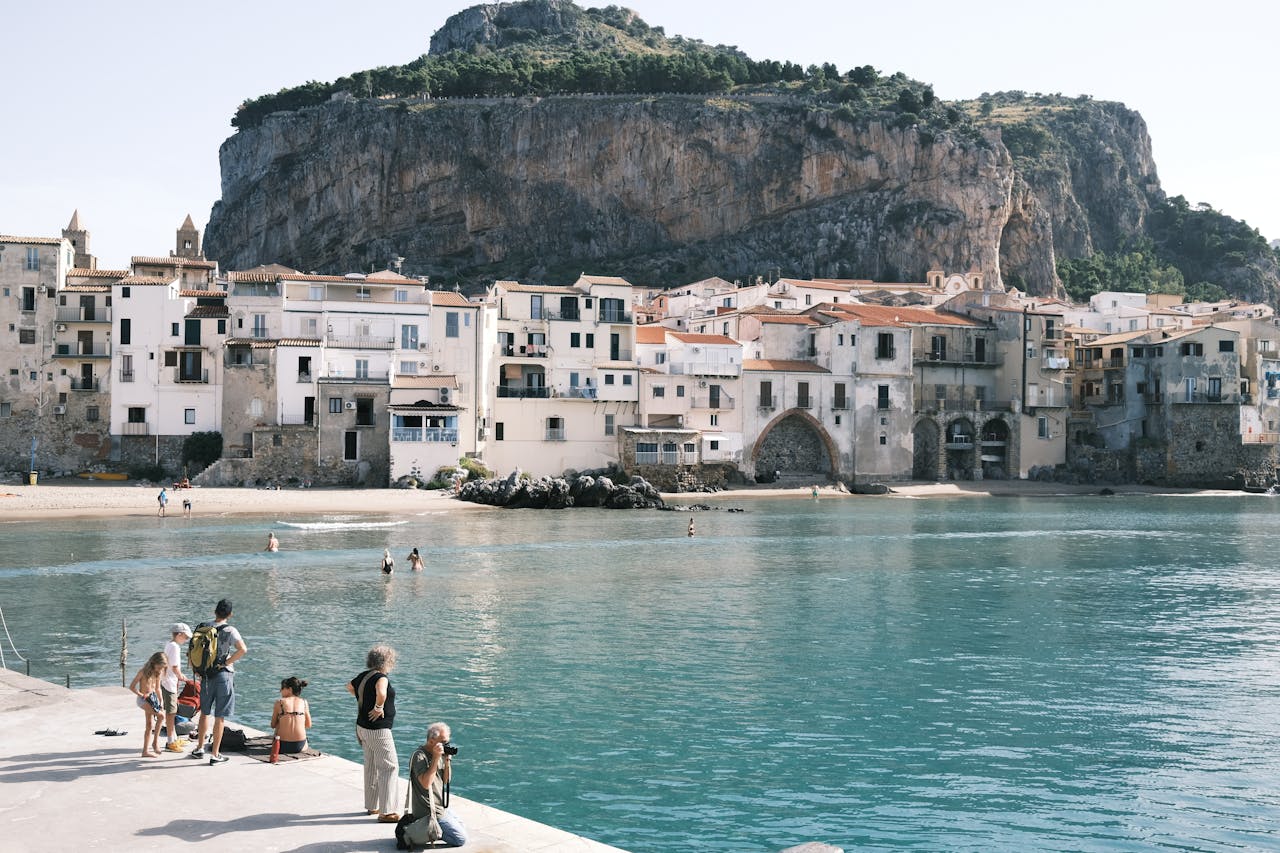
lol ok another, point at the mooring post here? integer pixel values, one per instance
(68, 681)
(124, 651)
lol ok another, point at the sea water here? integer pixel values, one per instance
(1087, 673)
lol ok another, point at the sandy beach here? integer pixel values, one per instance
(71, 498)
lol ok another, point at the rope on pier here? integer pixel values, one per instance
(3, 665)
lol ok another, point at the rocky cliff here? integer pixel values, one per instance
(657, 189)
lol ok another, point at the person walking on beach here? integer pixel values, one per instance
(217, 682)
(170, 683)
(375, 714)
(146, 687)
(186, 507)
(388, 564)
(429, 772)
(291, 716)
(273, 544)
(163, 500)
(415, 561)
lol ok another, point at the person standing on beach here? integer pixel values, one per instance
(415, 561)
(217, 687)
(163, 500)
(375, 714)
(186, 507)
(171, 682)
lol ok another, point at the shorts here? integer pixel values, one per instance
(169, 700)
(150, 702)
(218, 694)
(292, 747)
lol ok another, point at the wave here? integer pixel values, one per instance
(339, 525)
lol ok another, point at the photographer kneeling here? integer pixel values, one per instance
(429, 812)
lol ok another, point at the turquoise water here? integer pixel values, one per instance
(883, 674)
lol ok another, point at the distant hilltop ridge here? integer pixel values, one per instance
(537, 139)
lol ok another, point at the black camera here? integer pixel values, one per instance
(450, 749)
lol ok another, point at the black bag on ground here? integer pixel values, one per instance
(233, 739)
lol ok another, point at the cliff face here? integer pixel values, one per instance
(665, 190)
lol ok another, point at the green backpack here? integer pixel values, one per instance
(206, 653)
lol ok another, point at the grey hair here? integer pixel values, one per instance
(380, 657)
(440, 730)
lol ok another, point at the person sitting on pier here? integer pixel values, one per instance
(291, 716)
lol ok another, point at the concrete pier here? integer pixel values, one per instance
(63, 787)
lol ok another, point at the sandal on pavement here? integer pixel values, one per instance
(390, 817)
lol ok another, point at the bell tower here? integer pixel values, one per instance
(79, 239)
(188, 244)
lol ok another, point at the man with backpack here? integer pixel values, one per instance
(215, 647)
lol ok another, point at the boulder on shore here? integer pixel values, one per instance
(516, 492)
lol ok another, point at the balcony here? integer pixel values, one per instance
(524, 351)
(578, 393)
(964, 404)
(619, 355)
(555, 434)
(705, 368)
(840, 404)
(768, 402)
(939, 357)
(1057, 363)
(134, 429)
(80, 314)
(1201, 398)
(194, 377)
(959, 441)
(807, 403)
(370, 377)
(619, 317)
(82, 350)
(359, 341)
(427, 434)
(79, 383)
(562, 315)
(521, 392)
(304, 378)
(723, 401)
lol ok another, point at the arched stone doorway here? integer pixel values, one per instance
(797, 447)
(960, 444)
(993, 449)
(924, 462)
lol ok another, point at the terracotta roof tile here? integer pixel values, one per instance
(651, 333)
(172, 261)
(788, 319)
(704, 339)
(204, 294)
(517, 287)
(254, 343)
(447, 298)
(148, 280)
(34, 241)
(87, 288)
(783, 365)
(84, 272)
(903, 315)
(204, 312)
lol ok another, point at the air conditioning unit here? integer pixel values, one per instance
(61, 327)
(422, 347)
(444, 395)
(422, 364)
(435, 368)
(350, 405)
(702, 383)
(59, 410)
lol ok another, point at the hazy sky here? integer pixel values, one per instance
(118, 109)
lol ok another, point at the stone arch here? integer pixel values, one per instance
(782, 446)
(961, 443)
(993, 449)
(924, 459)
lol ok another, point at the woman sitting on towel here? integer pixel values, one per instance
(291, 717)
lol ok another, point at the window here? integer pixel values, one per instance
(626, 379)
(171, 358)
(679, 390)
(591, 340)
(608, 379)
(884, 345)
(1031, 352)
(802, 395)
(90, 413)
(402, 296)
(555, 429)
(126, 330)
(277, 440)
(33, 258)
(408, 368)
(124, 293)
(575, 339)
(715, 445)
(498, 429)
(660, 358)
(1192, 349)
(222, 327)
(1042, 427)
(335, 405)
(408, 337)
(766, 394)
(6, 410)
(608, 425)
(882, 397)
(938, 348)
(362, 368)
(659, 391)
(1138, 352)
(174, 330)
(259, 325)
(315, 292)
(1226, 346)
(884, 439)
(189, 416)
(451, 324)
(690, 447)
(808, 299)
(28, 299)
(26, 336)
(351, 446)
(535, 306)
(137, 415)
(837, 420)
(715, 420)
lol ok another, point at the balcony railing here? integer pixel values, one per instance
(81, 384)
(78, 314)
(705, 368)
(840, 403)
(579, 393)
(524, 351)
(200, 377)
(562, 315)
(768, 402)
(953, 358)
(126, 376)
(613, 317)
(724, 401)
(964, 404)
(1200, 397)
(360, 341)
(304, 378)
(431, 434)
(619, 355)
(521, 392)
(555, 434)
(83, 350)
(134, 429)
(959, 441)
(804, 402)
(372, 377)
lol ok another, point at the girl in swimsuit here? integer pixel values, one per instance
(291, 716)
(146, 687)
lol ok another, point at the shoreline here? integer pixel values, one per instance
(76, 498)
